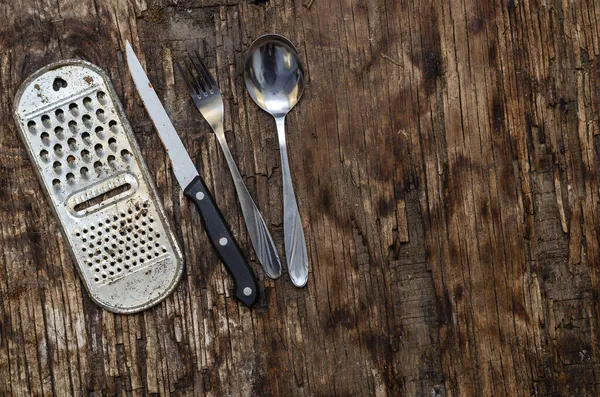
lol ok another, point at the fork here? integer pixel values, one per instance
(207, 97)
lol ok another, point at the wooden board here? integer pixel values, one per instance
(445, 157)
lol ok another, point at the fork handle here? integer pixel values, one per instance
(223, 241)
(263, 244)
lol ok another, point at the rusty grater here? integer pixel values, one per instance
(88, 161)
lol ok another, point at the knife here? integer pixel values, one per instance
(194, 187)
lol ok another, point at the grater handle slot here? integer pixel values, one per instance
(119, 190)
(102, 194)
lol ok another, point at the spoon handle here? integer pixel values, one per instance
(295, 245)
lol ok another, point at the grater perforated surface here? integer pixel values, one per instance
(82, 145)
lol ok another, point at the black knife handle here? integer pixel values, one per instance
(222, 240)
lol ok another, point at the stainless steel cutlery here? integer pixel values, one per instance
(275, 80)
(89, 163)
(194, 187)
(206, 95)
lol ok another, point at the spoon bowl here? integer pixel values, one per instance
(274, 74)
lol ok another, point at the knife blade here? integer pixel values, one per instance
(194, 187)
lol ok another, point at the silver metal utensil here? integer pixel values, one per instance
(194, 187)
(97, 184)
(207, 97)
(275, 80)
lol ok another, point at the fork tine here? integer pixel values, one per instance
(198, 80)
(201, 76)
(209, 78)
(185, 76)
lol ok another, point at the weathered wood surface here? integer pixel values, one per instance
(445, 156)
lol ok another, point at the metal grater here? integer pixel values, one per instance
(86, 157)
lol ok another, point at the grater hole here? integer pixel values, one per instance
(100, 115)
(74, 109)
(44, 155)
(100, 132)
(60, 115)
(72, 161)
(101, 97)
(70, 177)
(87, 102)
(112, 126)
(87, 120)
(125, 155)
(58, 149)
(73, 126)
(86, 138)
(111, 161)
(45, 138)
(72, 142)
(59, 132)
(55, 182)
(46, 121)
(84, 172)
(85, 155)
(32, 126)
(57, 166)
(112, 142)
(99, 149)
(58, 83)
(98, 166)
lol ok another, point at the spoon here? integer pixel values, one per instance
(275, 80)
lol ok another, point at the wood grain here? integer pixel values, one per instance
(445, 158)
